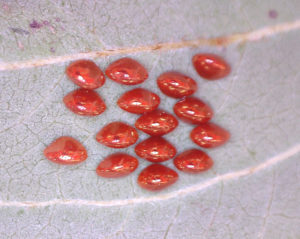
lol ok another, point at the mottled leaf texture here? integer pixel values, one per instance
(253, 189)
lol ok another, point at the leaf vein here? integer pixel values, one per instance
(255, 35)
(181, 192)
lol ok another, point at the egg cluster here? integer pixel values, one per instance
(153, 121)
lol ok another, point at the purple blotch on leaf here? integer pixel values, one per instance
(46, 23)
(35, 24)
(273, 14)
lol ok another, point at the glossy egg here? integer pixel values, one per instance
(176, 85)
(157, 177)
(210, 66)
(84, 102)
(117, 165)
(155, 149)
(209, 135)
(66, 150)
(86, 74)
(117, 135)
(193, 161)
(139, 101)
(127, 71)
(156, 123)
(193, 110)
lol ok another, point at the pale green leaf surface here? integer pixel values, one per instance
(253, 190)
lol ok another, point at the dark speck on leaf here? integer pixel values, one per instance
(19, 31)
(273, 14)
(35, 24)
(52, 50)
(20, 212)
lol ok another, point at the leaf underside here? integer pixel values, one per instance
(253, 190)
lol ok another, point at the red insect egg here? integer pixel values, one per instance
(156, 177)
(209, 135)
(176, 85)
(85, 74)
(155, 149)
(193, 161)
(139, 101)
(117, 165)
(193, 110)
(66, 150)
(85, 102)
(127, 71)
(156, 123)
(210, 66)
(117, 135)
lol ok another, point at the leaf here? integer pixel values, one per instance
(253, 190)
